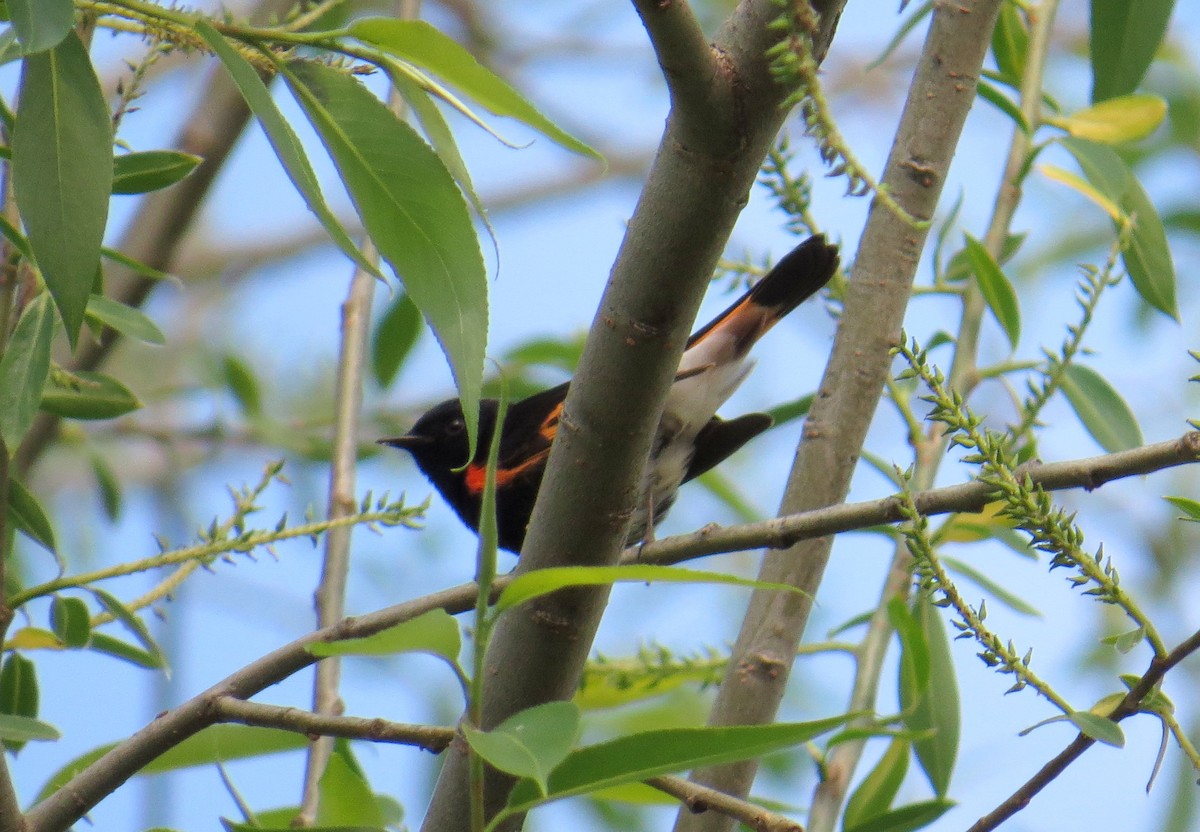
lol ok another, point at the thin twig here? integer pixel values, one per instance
(699, 799)
(1129, 706)
(426, 737)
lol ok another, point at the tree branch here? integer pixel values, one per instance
(1129, 706)
(426, 737)
(941, 94)
(70, 803)
(699, 799)
(696, 188)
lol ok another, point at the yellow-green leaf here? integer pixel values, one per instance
(1115, 121)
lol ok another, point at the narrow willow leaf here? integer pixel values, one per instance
(1100, 728)
(1146, 256)
(419, 43)
(1004, 104)
(1010, 42)
(1190, 507)
(24, 369)
(283, 141)
(104, 643)
(88, 395)
(62, 172)
(18, 692)
(151, 170)
(1125, 35)
(71, 621)
(243, 384)
(217, 744)
(875, 793)
(1101, 409)
(133, 623)
(128, 321)
(648, 754)
(530, 743)
(997, 291)
(41, 24)
(33, 638)
(1009, 599)
(906, 818)
(414, 212)
(137, 265)
(1081, 186)
(920, 12)
(395, 335)
(1129, 118)
(110, 486)
(28, 515)
(938, 711)
(22, 729)
(530, 585)
(434, 632)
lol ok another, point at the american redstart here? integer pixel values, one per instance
(691, 438)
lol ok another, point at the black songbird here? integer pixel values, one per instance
(691, 438)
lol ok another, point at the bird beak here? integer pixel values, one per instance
(409, 441)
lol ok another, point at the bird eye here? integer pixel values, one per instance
(455, 427)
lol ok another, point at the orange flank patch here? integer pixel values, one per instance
(476, 474)
(549, 426)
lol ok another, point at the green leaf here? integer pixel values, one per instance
(1126, 641)
(1101, 409)
(1188, 506)
(151, 170)
(1129, 118)
(795, 409)
(1004, 104)
(530, 743)
(21, 729)
(1146, 256)
(651, 753)
(875, 793)
(1125, 35)
(530, 585)
(109, 485)
(136, 265)
(88, 395)
(23, 370)
(935, 715)
(997, 291)
(62, 172)
(283, 141)
(413, 211)
(126, 320)
(395, 336)
(915, 665)
(346, 797)
(419, 43)
(919, 13)
(434, 632)
(27, 514)
(18, 692)
(71, 621)
(216, 744)
(133, 624)
(106, 644)
(994, 589)
(1010, 42)
(1100, 728)
(906, 818)
(41, 24)
(243, 384)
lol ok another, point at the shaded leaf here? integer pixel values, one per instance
(23, 370)
(1010, 42)
(1101, 409)
(243, 384)
(71, 621)
(414, 212)
(18, 692)
(27, 514)
(395, 335)
(87, 395)
(41, 24)
(997, 291)
(434, 632)
(130, 322)
(151, 170)
(419, 43)
(1125, 34)
(133, 623)
(936, 714)
(62, 172)
(530, 585)
(109, 485)
(1004, 104)
(875, 793)
(906, 818)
